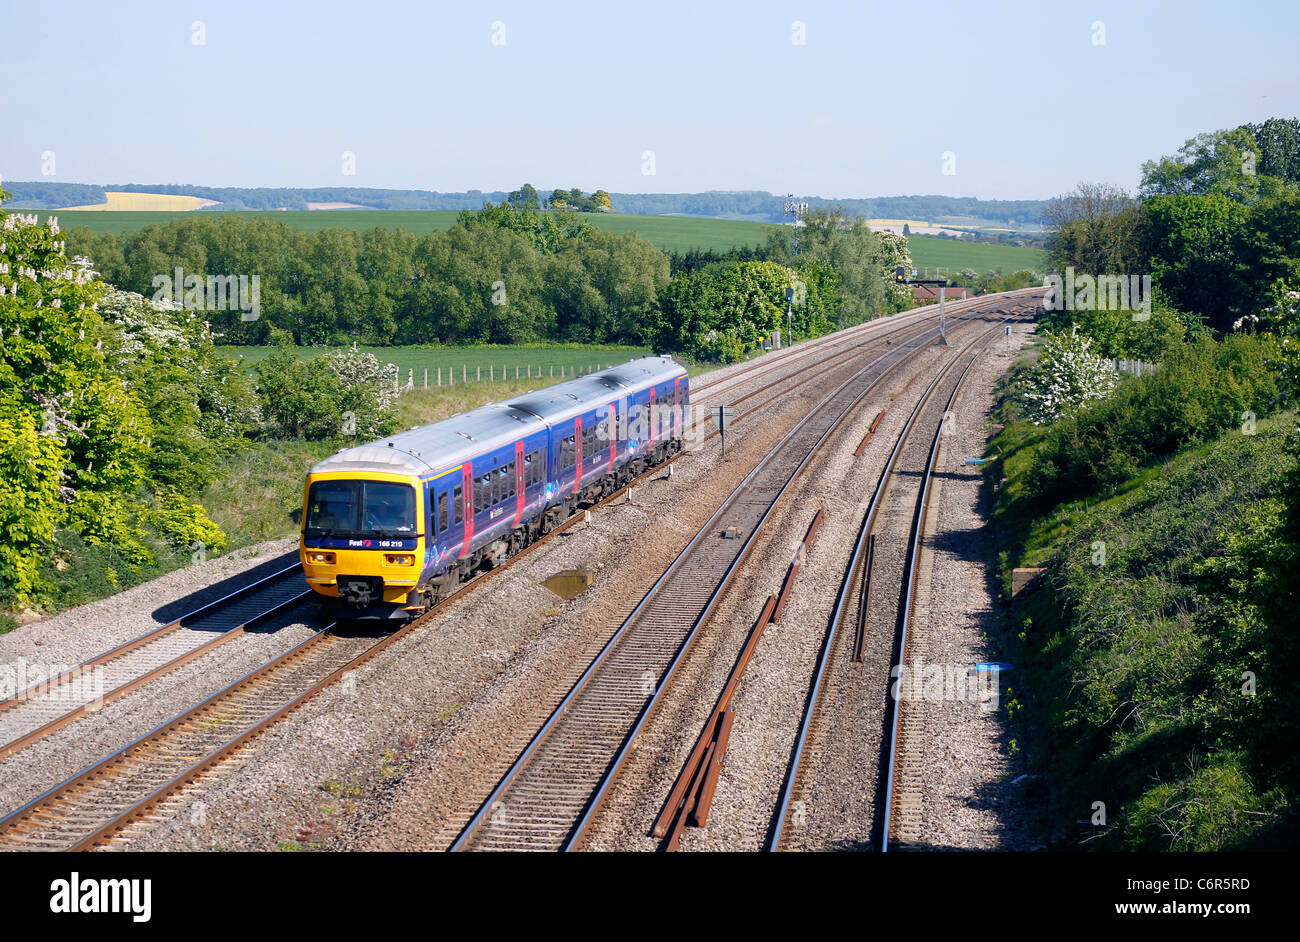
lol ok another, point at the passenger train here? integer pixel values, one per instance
(392, 526)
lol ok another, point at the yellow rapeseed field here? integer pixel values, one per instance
(144, 203)
(895, 222)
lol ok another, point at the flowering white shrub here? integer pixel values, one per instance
(1065, 377)
(363, 373)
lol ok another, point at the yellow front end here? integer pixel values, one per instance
(398, 567)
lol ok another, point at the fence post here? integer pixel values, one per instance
(426, 377)
(478, 374)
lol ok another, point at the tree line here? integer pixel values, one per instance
(509, 273)
(730, 204)
(1215, 225)
(1165, 507)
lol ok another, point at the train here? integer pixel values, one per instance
(391, 527)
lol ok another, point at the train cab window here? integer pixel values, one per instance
(444, 518)
(457, 505)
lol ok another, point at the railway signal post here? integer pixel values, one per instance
(901, 274)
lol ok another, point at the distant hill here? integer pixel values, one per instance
(752, 205)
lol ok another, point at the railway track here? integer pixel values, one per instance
(817, 347)
(97, 803)
(548, 796)
(849, 688)
(47, 707)
(44, 708)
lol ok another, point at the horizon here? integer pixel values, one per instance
(808, 100)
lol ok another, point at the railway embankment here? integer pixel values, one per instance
(1155, 656)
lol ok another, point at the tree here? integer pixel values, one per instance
(526, 197)
(1094, 230)
(1278, 140)
(1189, 243)
(78, 437)
(1225, 163)
(862, 259)
(342, 394)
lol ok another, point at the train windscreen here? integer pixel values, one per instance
(360, 509)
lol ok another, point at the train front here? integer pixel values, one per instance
(361, 542)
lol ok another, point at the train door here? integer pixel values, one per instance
(520, 487)
(579, 454)
(677, 404)
(651, 419)
(612, 427)
(466, 504)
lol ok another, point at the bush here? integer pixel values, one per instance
(1200, 391)
(343, 393)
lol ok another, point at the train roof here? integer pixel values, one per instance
(572, 397)
(428, 448)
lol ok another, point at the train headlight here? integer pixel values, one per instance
(326, 558)
(399, 559)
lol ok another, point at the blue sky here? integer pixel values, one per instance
(867, 106)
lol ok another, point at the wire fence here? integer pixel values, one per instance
(451, 376)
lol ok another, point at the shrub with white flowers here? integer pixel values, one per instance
(1066, 376)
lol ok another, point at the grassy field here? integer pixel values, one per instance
(932, 252)
(669, 233)
(477, 363)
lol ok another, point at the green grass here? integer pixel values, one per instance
(932, 252)
(669, 233)
(547, 359)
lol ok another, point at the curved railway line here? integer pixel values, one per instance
(93, 806)
(47, 707)
(547, 797)
(850, 683)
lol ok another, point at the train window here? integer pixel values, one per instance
(443, 516)
(457, 503)
(494, 489)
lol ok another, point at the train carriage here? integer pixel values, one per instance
(390, 526)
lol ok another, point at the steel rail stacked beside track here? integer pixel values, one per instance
(549, 795)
